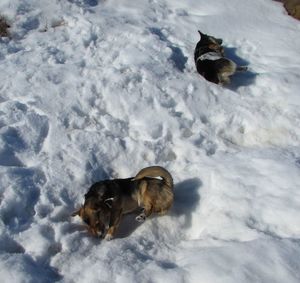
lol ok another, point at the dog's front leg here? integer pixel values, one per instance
(113, 224)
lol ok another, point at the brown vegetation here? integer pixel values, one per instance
(292, 7)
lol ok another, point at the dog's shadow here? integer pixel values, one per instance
(239, 79)
(186, 199)
(127, 226)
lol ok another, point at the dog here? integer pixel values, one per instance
(211, 62)
(4, 26)
(106, 201)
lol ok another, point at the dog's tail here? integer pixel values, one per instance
(156, 171)
(241, 68)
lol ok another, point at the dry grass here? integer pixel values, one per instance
(293, 8)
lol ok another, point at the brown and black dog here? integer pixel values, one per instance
(106, 201)
(211, 62)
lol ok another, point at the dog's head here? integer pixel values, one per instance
(211, 42)
(96, 214)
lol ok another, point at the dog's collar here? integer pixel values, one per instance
(209, 56)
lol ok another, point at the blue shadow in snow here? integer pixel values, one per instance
(85, 3)
(239, 79)
(186, 199)
(177, 56)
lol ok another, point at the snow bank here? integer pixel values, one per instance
(100, 89)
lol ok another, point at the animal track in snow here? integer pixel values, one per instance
(56, 55)
(17, 209)
(8, 245)
(203, 143)
(23, 129)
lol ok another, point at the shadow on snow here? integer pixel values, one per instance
(239, 79)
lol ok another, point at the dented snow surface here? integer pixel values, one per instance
(100, 89)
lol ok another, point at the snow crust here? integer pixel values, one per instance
(100, 89)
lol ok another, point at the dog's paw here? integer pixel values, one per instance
(141, 218)
(242, 68)
(108, 237)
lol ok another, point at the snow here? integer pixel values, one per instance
(100, 89)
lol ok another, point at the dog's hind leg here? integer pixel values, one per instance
(241, 68)
(147, 211)
(142, 217)
(113, 225)
(224, 78)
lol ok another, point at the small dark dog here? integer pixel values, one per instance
(210, 61)
(4, 26)
(106, 201)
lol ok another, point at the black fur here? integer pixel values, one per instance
(209, 69)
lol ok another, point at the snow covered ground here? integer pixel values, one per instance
(100, 89)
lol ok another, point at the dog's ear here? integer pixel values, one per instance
(201, 34)
(77, 212)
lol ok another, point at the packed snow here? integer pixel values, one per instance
(92, 90)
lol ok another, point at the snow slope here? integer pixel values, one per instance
(100, 89)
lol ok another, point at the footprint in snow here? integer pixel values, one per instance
(17, 206)
(27, 131)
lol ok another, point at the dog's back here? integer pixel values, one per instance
(118, 192)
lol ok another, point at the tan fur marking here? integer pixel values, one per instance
(155, 171)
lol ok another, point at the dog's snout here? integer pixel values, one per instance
(99, 234)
